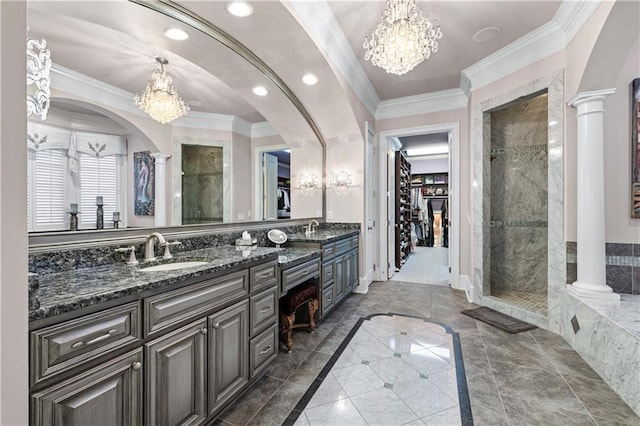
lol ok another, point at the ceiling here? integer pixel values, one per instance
(459, 21)
(119, 37)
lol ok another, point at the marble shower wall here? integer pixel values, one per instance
(518, 197)
(202, 184)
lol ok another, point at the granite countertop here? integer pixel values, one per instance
(67, 291)
(323, 235)
(293, 255)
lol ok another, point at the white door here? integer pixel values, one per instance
(391, 210)
(370, 204)
(269, 186)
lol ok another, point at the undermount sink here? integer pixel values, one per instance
(172, 266)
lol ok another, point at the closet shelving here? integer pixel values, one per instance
(434, 185)
(403, 209)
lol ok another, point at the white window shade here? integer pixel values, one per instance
(50, 188)
(98, 176)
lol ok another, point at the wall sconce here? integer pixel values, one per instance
(341, 182)
(38, 77)
(308, 183)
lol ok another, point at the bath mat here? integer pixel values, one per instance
(498, 320)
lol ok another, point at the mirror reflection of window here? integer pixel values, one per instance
(67, 167)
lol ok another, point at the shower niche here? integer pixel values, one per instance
(518, 202)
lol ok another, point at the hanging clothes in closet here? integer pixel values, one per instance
(418, 218)
(445, 223)
(430, 217)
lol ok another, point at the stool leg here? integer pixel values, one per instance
(286, 327)
(313, 307)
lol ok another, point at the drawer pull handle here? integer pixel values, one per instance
(265, 275)
(267, 309)
(265, 350)
(305, 272)
(216, 325)
(136, 365)
(204, 331)
(96, 340)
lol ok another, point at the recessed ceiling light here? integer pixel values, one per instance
(309, 79)
(239, 8)
(486, 34)
(176, 34)
(260, 91)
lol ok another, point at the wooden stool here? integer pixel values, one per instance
(304, 294)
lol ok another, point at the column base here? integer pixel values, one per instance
(591, 291)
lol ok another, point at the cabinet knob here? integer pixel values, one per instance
(216, 325)
(204, 330)
(136, 365)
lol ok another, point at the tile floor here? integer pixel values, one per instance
(530, 378)
(425, 265)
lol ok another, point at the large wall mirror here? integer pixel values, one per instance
(235, 157)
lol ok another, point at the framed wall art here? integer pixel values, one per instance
(144, 185)
(635, 148)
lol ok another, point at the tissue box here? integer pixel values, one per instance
(243, 242)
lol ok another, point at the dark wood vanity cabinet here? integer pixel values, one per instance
(191, 354)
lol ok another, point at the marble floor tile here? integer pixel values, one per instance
(511, 379)
(601, 400)
(522, 412)
(341, 412)
(392, 370)
(371, 350)
(383, 407)
(531, 384)
(424, 397)
(426, 362)
(401, 344)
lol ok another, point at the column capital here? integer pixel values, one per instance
(593, 96)
(160, 157)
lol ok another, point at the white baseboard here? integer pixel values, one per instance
(362, 287)
(465, 284)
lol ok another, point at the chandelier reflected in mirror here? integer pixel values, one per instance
(402, 39)
(160, 99)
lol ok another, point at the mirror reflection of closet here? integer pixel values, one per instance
(276, 184)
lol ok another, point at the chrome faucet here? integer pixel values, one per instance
(149, 245)
(310, 227)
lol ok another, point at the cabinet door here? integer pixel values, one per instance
(228, 354)
(176, 367)
(110, 394)
(354, 276)
(339, 278)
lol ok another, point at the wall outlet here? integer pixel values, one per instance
(329, 214)
(240, 216)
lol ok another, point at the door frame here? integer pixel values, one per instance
(385, 139)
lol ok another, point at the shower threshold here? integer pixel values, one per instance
(533, 302)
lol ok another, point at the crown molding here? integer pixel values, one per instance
(262, 129)
(425, 103)
(321, 24)
(85, 87)
(540, 43)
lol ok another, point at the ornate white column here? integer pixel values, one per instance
(161, 188)
(592, 272)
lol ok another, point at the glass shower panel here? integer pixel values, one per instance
(202, 184)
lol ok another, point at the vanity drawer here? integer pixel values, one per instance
(328, 251)
(263, 349)
(173, 307)
(62, 346)
(354, 241)
(328, 300)
(327, 273)
(263, 276)
(343, 246)
(298, 274)
(262, 310)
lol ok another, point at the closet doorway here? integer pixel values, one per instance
(274, 184)
(421, 177)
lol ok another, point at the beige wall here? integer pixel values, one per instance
(13, 220)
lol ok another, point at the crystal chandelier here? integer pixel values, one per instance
(159, 99)
(402, 39)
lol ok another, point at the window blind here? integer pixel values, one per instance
(50, 184)
(98, 176)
